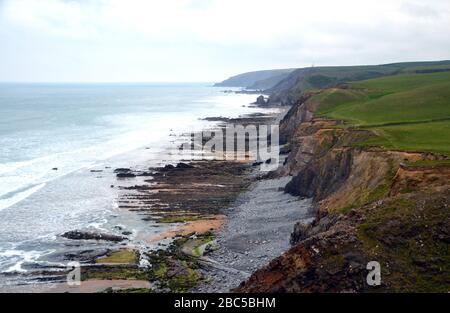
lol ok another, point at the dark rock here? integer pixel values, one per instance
(321, 178)
(285, 149)
(85, 255)
(300, 233)
(146, 174)
(270, 161)
(354, 257)
(261, 100)
(216, 119)
(184, 165)
(137, 187)
(55, 169)
(122, 170)
(126, 175)
(325, 222)
(169, 167)
(80, 235)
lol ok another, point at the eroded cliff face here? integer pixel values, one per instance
(371, 206)
(296, 115)
(407, 234)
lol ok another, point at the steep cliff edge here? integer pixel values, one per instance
(407, 234)
(373, 204)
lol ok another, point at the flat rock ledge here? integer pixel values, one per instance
(81, 235)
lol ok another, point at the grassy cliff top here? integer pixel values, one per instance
(304, 79)
(407, 111)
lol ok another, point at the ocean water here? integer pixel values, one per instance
(52, 137)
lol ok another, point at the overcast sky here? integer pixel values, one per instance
(210, 40)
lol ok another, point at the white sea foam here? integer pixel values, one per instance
(20, 258)
(19, 196)
(17, 176)
(90, 128)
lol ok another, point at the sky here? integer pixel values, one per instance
(210, 40)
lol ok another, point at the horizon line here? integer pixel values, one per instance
(107, 82)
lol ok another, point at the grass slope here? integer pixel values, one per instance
(304, 79)
(406, 111)
(256, 80)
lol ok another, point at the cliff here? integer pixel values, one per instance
(372, 203)
(258, 80)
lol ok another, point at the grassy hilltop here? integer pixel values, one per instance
(407, 111)
(288, 90)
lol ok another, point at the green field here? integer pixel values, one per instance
(407, 111)
(306, 79)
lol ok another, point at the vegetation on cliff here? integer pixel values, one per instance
(374, 155)
(407, 112)
(290, 89)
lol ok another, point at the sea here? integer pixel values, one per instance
(59, 145)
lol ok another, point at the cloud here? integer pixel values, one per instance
(226, 35)
(419, 10)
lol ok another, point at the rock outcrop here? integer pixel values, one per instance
(84, 235)
(261, 100)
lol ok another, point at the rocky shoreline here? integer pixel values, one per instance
(311, 225)
(256, 230)
(192, 201)
(198, 253)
